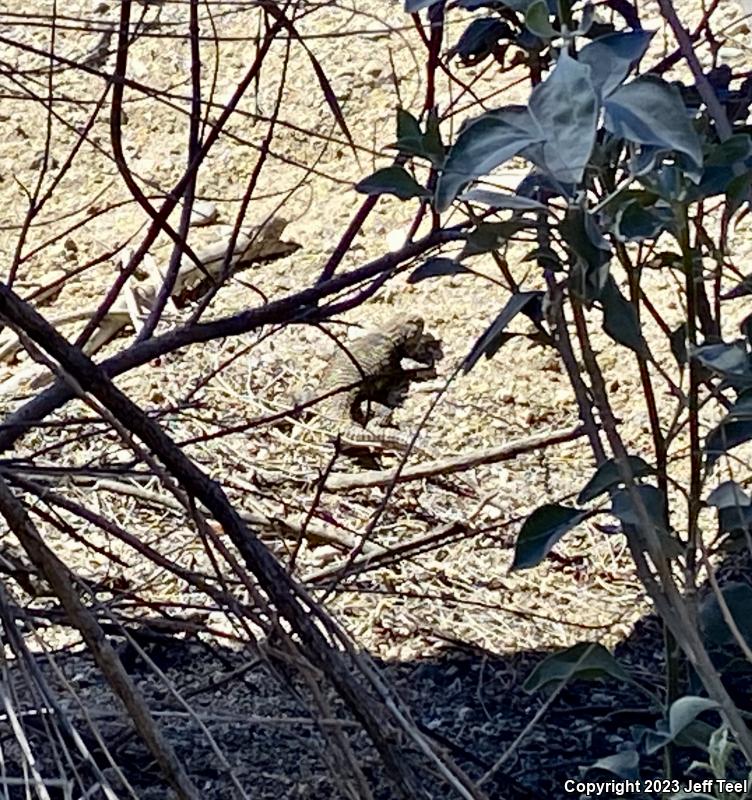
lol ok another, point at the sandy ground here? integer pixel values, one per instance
(461, 592)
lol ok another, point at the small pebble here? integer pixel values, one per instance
(203, 213)
(374, 68)
(38, 160)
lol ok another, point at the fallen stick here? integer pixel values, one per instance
(447, 466)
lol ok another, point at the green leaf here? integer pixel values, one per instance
(482, 145)
(738, 598)
(645, 159)
(489, 236)
(392, 180)
(523, 5)
(726, 359)
(620, 319)
(734, 429)
(411, 141)
(736, 148)
(432, 142)
(413, 6)
(725, 437)
(435, 267)
(541, 530)
(546, 257)
(593, 253)
(650, 111)
(720, 749)
(607, 476)
(737, 192)
(612, 56)
(726, 168)
(685, 710)
(479, 39)
(635, 222)
(682, 724)
(678, 342)
(734, 507)
(669, 182)
(742, 408)
(666, 259)
(735, 520)
(537, 20)
(624, 509)
(586, 20)
(409, 134)
(728, 494)
(488, 343)
(697, 734)
(624, 764)
(566, 109)
(586, 660)
(499, 200)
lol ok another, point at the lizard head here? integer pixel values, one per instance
(404, 326)
(406, 331)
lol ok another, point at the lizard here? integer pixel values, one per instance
(370, 368)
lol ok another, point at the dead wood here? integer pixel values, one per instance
(447, 466)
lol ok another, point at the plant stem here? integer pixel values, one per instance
(695, 481)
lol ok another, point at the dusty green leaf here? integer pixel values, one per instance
(566, 109)
(681, 726)
(650, 111)
(538, 22)
(586, 21)
(727, 166)
(499, 200)
(586, 660)
(432, 141)
(685, 710)
(738, 598)
(729, 434)
(482, 145)
(726, 359)
(392, 180)
(728, 494)
(620, 319)
(479, 39)
(409, 134)
(592, 250)
(435, 267)
(542, 530)
(607, 476)
(624, 764)
(612, 56)
(488, 342)
(635, 222)
(625, 510)
(413, 6)
(489, 236)
(411, 140)
(678, 343)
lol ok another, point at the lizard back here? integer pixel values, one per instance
(354, 370)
